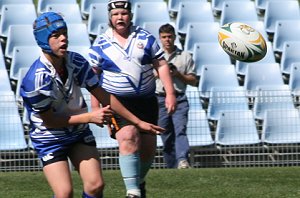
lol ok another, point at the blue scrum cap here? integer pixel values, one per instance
(113, 4)
(44, 26)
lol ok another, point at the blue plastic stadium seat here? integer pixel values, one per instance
(70, 12)
(173, 5)
(217, 5)
(237, 128)
(198, 131)
(98, 16)
(150, 12)
(216, 76)
(287, 30)
(241, 11)
(290, 55)
(42, 4)
(79, 40)
(226, 99)
(294, 79)
(21, 74)
(241, 67)
(190, 12)
(85, 6)
(209, 54)
(12, 136)
(13, 14)
(23, 57)
(262, 4)
(260, 74)
(193, 96)
(272, 97)
(15, 37)
(5, 2)
(281, 127)
(5, 82)
(280, 10)
(196, 34)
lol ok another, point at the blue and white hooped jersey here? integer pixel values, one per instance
(42, 89)
(127, 71)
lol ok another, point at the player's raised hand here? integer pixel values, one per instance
(101, 116)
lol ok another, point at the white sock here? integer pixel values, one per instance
(136, 192)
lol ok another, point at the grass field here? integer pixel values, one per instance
(280, 182)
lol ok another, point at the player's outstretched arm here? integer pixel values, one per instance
(99, 94)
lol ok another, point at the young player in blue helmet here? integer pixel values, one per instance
(125, 57)
(59, 120)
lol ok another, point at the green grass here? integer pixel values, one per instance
(278, 182)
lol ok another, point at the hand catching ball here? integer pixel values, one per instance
(242, 42)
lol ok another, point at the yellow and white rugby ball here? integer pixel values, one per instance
(242, 42)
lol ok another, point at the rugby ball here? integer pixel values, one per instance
(242, 42)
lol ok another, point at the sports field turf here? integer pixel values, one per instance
(283, 182)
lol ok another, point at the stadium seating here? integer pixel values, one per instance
(2, 60)
(21, 74)
(70, 12)
(294, 79)
(5, 2)
(23, 57)
(195, 34)
(5, 82)
(207, 54)
(272, 97)
(286, 30)
(290, 54)
(262, 4)
(150, 12)
(85, 6)
(236, 128)
(13, 14)
(216, 76)
(281, 127)
(193, 97)
(42, 4)
(218, 4)
(260, 74)
(79, 40)
(241, 67)
(173, 5)
(190, 12)
(12, 132)
(226, 99)
(97, 17)
(19, 35)
(280, 10)
(241, 11)
(198, 131)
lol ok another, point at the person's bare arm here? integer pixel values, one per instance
(58, 120)
(163, 72)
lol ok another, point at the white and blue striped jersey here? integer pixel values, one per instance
(42, 89)
(126, 71)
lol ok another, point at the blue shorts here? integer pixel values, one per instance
(59, 150)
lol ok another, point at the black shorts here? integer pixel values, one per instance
(145, 109)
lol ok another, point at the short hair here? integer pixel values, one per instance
(167, 28)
